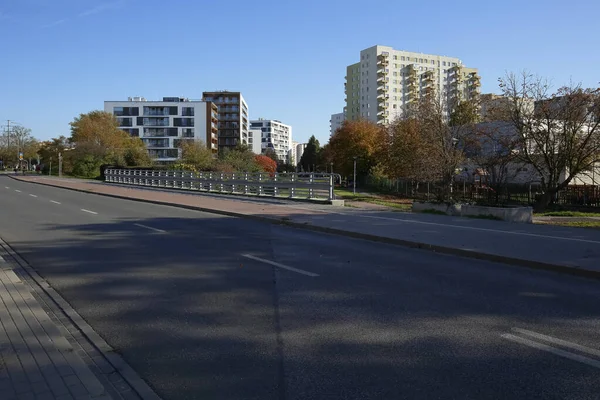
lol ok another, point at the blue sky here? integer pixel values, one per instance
(60, 58)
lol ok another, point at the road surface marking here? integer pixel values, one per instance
(151, 228)
(479, 229)
(88, 211)
(559, 342)
(7, 187)
(553, 350)
(278, 265)
(55, 202)
(18, 191)
(33, 195)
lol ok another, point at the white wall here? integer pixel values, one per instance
(336, 122)
(256, 144)
(200, 118)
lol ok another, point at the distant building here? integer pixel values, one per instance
(386, 80)
(162, 125)
(275, 135)
(336, 122)
(299, 151)
(233, 117)
(255, 140)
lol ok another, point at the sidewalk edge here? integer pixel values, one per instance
(582, 272)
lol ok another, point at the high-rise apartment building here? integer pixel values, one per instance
(162, 125)
(385, 81)
(275, 135)
(336, 122)
(233, 117)
(299, 151)
(255, 140)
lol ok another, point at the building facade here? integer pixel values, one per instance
(299, 151)
(233, 118)
(385, 81)
(255, 140)
(275, 135)
(162, 125)
(336, 122)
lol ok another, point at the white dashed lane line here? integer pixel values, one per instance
(282, 266)
(18, 191)
(55, 202)
(88, 211)
(150, 228)
(33, 195)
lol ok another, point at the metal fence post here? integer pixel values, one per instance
(310, 190)
(275, 190)
(245, 183)
(260, 188)
(331, 194)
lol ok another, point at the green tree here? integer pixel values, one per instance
(239, 159)
(270, 152)
(97, 140)
(310, 157)
(197, 155)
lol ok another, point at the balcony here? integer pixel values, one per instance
(382, 106)
(382, 72)
(383, 60)
(381, 89)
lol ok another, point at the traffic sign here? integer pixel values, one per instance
(20, 156)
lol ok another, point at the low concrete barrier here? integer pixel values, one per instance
(511, 214)
(449, 209)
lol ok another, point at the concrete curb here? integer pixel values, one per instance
(365, 236)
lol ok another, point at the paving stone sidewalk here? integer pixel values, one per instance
(36, 360)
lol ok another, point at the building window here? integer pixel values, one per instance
(187, 111)
(403, 58)
(444, 64)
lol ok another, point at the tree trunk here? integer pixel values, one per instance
(544, 201)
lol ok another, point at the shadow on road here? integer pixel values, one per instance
(199, 321)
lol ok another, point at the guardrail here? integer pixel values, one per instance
(309, 186)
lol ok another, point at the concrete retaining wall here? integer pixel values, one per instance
(511, 214)
(449, 209)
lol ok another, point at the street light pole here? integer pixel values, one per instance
(354, 180)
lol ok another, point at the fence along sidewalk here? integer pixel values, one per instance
(308, 186)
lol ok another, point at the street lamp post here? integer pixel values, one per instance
(354, 180)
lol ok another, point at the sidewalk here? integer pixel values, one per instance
(565, 249)
(36, 360)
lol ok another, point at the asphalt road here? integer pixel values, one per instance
(194, 304)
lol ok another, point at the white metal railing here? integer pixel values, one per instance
(310, 186)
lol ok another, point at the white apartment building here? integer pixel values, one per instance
(275, 135)
(386, 80)
(336, 122)
(162, 125)
(255, 140)
(299, 149)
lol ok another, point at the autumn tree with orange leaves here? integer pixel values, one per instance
(266, 163)
(361, 139)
